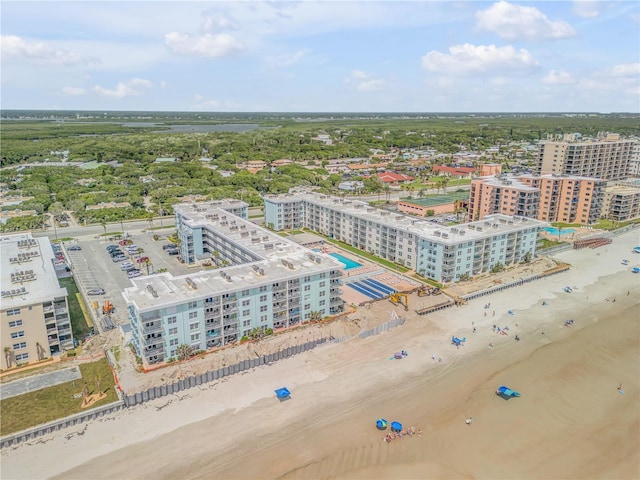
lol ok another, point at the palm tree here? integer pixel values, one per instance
(315, 316)
(146, 263)
(103, 224)
(8, 356)
(184, 351)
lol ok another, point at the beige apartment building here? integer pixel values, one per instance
(34, 315)
(621, 202)
(606, 157)
(550, 198)
(502, 194)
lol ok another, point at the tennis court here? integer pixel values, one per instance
(431, 200)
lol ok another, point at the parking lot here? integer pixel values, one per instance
(94, 269)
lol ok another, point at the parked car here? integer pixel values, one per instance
(173, 252)
(169, 246)
(96, 291)
(112, 248)
(74, 248)
(123, 242)
(142, 259)
(118, 258)
(134, 273)
(126, 266)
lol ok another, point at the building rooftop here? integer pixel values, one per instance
(274, 259)
(508, 181)
(27, 274)
(491, 225)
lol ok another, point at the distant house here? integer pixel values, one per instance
(392, 178)
(350, 186)
(7, 214)
(460, 172)
(165, 160)
(282, 162)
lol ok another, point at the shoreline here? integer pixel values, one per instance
(338, 384)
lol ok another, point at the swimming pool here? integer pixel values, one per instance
(348, 263)
(555, 231)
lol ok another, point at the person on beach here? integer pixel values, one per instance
(469, 421)
(494, 313)
(619, 387)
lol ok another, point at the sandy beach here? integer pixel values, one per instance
(570, 422)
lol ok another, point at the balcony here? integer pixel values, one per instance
(211, 314)
(210, 323)
(148, 328)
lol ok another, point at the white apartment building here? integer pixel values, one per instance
(445, 254)
(269, 282)
(34, 315)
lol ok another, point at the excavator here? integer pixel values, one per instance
(400, 299)
(426, 291)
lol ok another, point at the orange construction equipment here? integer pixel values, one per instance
(107, 308)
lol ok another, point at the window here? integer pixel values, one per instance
(322, 284)
(263, 308)
(173, 331)
(307, 306)
(322, 303)
(246, 323)
(246, 303)
(18, 346)
(13, 311)
(22, 356)
(192, 305)
(193, 315)
(246, 313)
(263, 318)
(195, 337)
(245, 293)
(322, 294)
(173, 343)
(194, 326)
(263, 288)
(15, 323)
(307, 288)
(263, 298)
(17, 334)
(171, 320)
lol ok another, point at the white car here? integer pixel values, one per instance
(126, 266)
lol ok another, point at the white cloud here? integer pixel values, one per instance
(207, 45)
(130, 88)
(558, 77)
(517, 22)
(365, 82)
(209, 104)
(215, 22)
(286, 59)
(73, 91)
(586, 8)
(468, 59)
(626, 70)
(39, 53)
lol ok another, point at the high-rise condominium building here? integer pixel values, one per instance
(606, 157)
(34, 315)
(264, 282)
(442, 253)
(550, 198)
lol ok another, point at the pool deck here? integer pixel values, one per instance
(367, 269)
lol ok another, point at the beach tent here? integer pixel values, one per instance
(283, 393)
(458, 341)
(396, 426)
(506, 392)
(381, 423)
(635, 269)
(636, 250)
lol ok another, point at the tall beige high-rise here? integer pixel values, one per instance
(606, 157)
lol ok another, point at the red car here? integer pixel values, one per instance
(142, 259)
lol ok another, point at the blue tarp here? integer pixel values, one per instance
(283, 392)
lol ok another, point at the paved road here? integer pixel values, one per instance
(94, 230)
(38, 382)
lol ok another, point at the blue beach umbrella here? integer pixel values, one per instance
(381, 423)
(396, 426)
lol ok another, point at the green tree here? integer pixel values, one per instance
(184, 351)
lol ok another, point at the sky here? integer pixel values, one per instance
(321, 56)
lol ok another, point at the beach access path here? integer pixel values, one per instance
(338, 390)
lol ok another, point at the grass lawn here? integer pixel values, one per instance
(78, 322)
(545, 243)
(42, 406)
